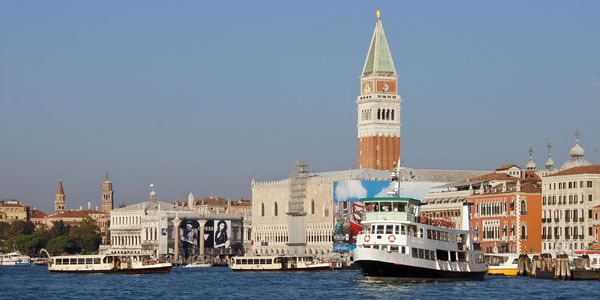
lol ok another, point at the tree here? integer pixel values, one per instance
(60, 245)
(58, 229)
(85, 236)
(19, 228)
(29, 244)
(3, 227)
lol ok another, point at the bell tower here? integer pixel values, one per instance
(107, 195)
(379, 106)
(60, 203)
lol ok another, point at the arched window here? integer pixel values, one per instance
(312, 206)
(275, 208)
(523, 232)
(523, 208)
(379, 114)
(262, 209)
(387, 114)
(393, 114)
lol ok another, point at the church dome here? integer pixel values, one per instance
(549, 162)
(577, 159)
(576, 150)
(530, 165)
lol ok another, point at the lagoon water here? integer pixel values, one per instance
(222, 283)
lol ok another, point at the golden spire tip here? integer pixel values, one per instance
(378, 13)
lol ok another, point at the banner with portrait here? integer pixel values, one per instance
(222, 233)
(188, 232)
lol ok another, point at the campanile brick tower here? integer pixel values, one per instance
(107, 195)
(60, 203)
(379, 107)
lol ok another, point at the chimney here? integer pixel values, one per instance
(89, 205)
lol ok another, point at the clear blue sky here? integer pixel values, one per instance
(203, 96)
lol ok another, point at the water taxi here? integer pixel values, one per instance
(505, 264)
(125, 264)
(14, 259)
(397, 244)
(278, 263)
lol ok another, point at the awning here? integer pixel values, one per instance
(504, 229)
(512, 228)
(503, 244)
(512, 203)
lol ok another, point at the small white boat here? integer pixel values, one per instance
(278, 263)
(198, 265)
(505, 264)
(14, 259)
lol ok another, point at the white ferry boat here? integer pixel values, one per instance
(505, 264)
(278, 263)
(14, 259)
(129, 264)
(398, 245)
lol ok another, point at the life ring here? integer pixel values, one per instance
(550, 266)
(392, 238)
(367, 238)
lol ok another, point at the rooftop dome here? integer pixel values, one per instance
(549, 162)
(576, 156)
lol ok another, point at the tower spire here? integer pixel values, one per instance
(549, 162)
(379, 106)
(59, 201)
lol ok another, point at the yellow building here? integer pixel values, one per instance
(11, 211)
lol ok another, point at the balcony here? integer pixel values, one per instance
(567, 219)
(543, 236)
(556, 220)
(581, 219)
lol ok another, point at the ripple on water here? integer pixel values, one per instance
(222, 283)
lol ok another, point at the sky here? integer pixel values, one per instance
(204, 96)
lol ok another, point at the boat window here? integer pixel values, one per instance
(373, 207)
(426, 254)
(244, 261)
(73, 261)
(238, 261)
(395, 206)
(380, 229)
(397, 229)
(262, 262)
(386, 206)
(269, 261)
(372, 229)
(58, 261)
(421, 232)
(402, 229)
(402, 207)
(480, 258)
(515, 261)
(88, 261)
(96, 260)
(81, 261)
(389, 229)
(452, 255)
(415, 253)
(402, 249)
(393, 248)
(429, 234)
(421, 253)
(441, 254)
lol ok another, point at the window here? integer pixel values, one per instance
(312, 206)
(262, 209)
(590, 197)
(589, 184)
(96, 260)
(275, 209)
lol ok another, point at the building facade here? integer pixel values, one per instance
(379, 107)
(568, 200)
(12, 210)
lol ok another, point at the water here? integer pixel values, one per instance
(222, 283)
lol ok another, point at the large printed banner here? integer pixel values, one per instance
(349, 210)
(217, 234)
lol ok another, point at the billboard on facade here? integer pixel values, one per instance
(349, 210)
(217, 234)
(188, 232)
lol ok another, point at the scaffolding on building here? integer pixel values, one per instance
(296, 227)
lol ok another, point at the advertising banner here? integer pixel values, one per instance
(188, 231)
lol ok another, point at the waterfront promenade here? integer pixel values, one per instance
(222, 283)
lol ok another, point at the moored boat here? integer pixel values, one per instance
(129, 264)
(505, 264)
(198, 265)
(278, 263)
(14, 259)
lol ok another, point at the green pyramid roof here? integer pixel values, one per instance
(379, 59)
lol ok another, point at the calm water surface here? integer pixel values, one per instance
(222, 283)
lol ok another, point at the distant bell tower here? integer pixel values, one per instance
(60, 203)
(379, 107)
(107, 195)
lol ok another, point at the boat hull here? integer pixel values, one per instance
(315, 269)
(384, 271)
(503, 271)
(160, 270)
